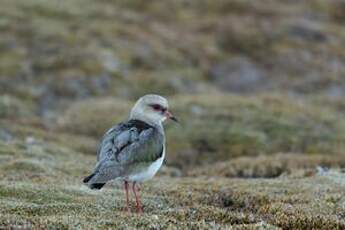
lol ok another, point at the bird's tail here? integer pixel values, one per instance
(92, 185)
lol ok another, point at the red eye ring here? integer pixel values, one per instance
(156, 107)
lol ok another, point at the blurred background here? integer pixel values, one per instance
(251, 81)
(259, 87)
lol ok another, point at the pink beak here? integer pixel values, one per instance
(169, 115)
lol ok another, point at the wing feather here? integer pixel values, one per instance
(123, 146)
(106, 145)
(146, 148)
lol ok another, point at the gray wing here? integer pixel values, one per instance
(106, 146)
(146, 147)
(123, 147)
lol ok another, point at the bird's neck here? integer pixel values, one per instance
(147, 120)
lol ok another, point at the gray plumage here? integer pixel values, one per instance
(126, 149)
(133, 151)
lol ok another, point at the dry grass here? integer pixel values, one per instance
(71, 69)
(271, 166)
(240, 126)
(54, 196)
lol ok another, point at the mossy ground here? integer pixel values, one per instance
(259, 89)
(43, 188)
(42, 169)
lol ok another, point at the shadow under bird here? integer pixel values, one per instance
(133, 151)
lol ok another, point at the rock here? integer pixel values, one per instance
(109, 62)
(5, 135)
(336, 91)
(306, 30)
(238, 75)
(321, 171)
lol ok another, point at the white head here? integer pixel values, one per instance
(152, 109)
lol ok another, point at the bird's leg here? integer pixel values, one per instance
(127, 198)
(137, 198)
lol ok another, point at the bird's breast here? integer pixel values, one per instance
(149, 171)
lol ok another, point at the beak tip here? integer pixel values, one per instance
(174, 119)
(169, 115)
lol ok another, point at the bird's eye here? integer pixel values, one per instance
(159, 108)
(156, 107)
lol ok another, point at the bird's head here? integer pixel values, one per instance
(152, 109)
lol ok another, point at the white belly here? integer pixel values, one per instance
(148, 173)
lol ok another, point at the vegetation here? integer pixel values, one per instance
(259, 89)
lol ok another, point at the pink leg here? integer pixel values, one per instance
(127, 197)
(137, 198)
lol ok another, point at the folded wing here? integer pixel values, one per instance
(124, 146)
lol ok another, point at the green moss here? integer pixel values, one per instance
(23, 165)
(226, 126)
(33, 193)
(83, 117)
(68, 70)
(293, 164)
(11, 107)
(183, 202)
(240, 126)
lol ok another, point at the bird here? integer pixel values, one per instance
(133, 151)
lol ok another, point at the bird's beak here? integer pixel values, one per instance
(169, 115)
